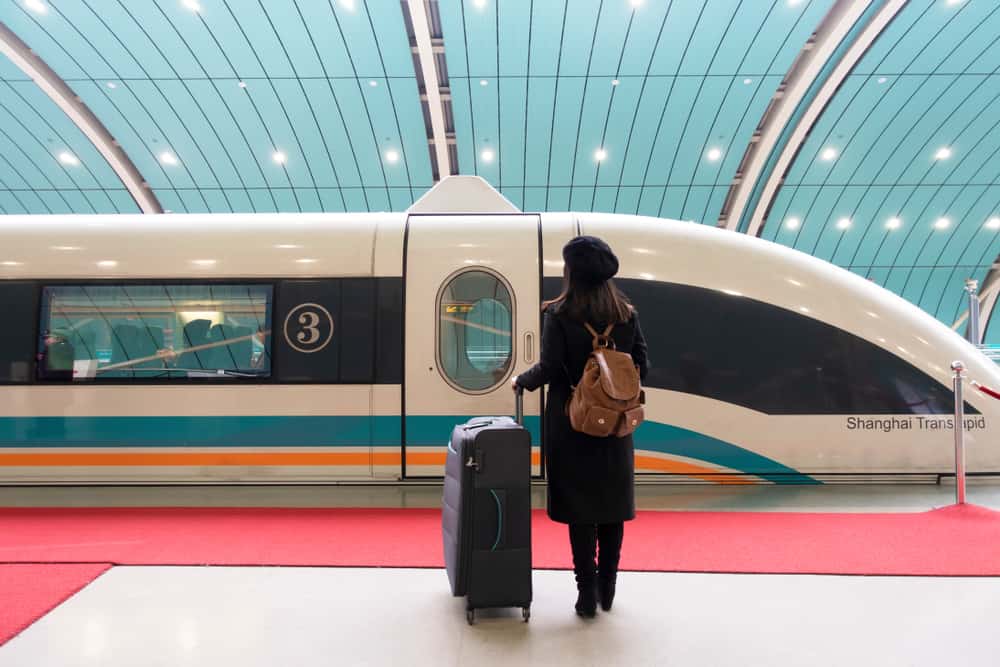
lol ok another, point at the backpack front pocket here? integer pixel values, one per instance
(599, 422)
(630, 421)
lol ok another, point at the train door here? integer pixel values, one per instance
(472, 322)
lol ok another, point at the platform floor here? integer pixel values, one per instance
(760, 498)
(302, 616)
(308, 616)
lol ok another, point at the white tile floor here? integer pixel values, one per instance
(145, 616)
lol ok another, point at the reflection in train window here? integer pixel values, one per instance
(99, 332)
(474, 331)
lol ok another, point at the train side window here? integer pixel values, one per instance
(96, 332)
(475, 331)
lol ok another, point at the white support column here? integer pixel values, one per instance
(839, 23)
(64, 97)
(425, 54)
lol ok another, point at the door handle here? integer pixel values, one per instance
(529, 347)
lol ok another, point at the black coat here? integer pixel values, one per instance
(590, 480)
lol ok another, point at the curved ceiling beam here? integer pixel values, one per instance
(64, 97)
(781, 133)
(432, 86)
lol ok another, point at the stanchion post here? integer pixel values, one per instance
(958, 367)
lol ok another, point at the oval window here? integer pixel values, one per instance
(475, 331)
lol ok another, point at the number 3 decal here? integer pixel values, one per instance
(309, 332)
(309, 319)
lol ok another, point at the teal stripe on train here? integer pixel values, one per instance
(247, 431)
(652, 437)
(331, 431)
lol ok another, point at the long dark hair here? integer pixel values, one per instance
(603, 303)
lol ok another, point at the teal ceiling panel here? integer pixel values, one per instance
(43, 151)
(513, 39)
(907, 150)
(282, 96)
(655, 96)
(512, 144)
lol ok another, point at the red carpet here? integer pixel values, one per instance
(30, 591)
(950, 541)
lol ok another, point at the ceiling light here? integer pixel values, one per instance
(793, 223)
(942, 223)
(615, 82)
(803, 309)
(647, 276)
(392, 156)
(952, 3)
(68, 158)
(65, 247)
(193, 5)
(794, 3)
(306, 260)
(10, 263)
(36, 6)
(747, 82)
(882, 79)
(793, 281)
(287, 246)
(637, 3)
(347, 4)
(168, 158)
(107, 263)
(484, 82)
(993, 223)
(943, 153)
(203, 262)
(871, 314)
(487, 155)
(112, 85)
(642, 251)
(844, 223)
(732, 292)
(828, 154)
(893, 223)
(600, 155)
(480, 4)
(279, 157)
(242, 84)
(373, 83)
(713, 154)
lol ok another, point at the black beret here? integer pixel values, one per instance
(589, 260)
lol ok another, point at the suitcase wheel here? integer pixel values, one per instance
(525, 613)
(470, 616)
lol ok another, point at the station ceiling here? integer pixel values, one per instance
(634, 106)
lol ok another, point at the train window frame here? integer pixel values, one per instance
(211, 379)
(512, 361)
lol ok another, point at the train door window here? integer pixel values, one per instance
(95, 332)
(475, 331)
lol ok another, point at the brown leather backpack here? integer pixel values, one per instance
(608, 399)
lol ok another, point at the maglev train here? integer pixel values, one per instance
(288, 348)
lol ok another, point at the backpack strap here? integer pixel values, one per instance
(601, 339)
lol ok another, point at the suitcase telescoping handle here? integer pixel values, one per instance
(519, 405)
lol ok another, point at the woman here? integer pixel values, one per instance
(590, 480)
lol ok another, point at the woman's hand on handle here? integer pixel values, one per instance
(513, 384)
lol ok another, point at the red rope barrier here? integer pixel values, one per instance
(986, 390)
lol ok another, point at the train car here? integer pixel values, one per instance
(286, 348)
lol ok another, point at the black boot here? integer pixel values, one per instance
(586, 599)
(583, 540)
(609, 536)
(606, 591)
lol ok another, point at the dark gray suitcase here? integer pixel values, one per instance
(486, 514)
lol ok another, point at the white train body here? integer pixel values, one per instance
(770, 366)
